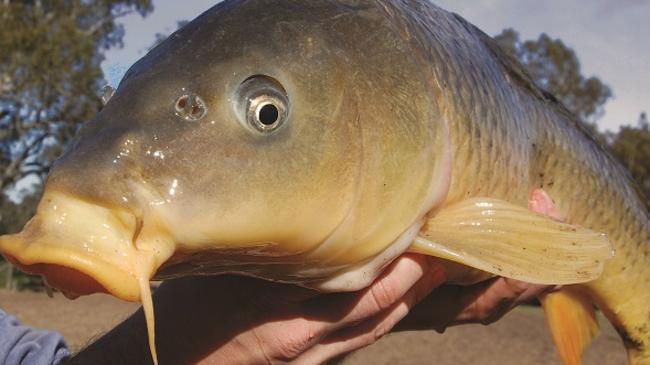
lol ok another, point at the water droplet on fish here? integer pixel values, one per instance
(159, 155)
(106, 93)
(190, 107)
(173, 187)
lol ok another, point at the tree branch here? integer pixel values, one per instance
(12, 172)
(98, 25)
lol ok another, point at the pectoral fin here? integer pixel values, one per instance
(572, 322)
(511, 241)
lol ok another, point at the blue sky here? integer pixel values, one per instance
(610, 38)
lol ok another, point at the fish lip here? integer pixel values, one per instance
(101, 275)
(57, 243)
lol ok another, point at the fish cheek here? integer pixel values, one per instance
(290, 188)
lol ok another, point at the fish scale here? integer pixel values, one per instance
(483, 126)
(544, 149)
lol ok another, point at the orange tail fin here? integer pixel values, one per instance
(572, 322)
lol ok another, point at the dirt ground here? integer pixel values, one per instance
(519, 338)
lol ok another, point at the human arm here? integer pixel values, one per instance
(20, 344)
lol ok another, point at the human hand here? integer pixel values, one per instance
(231, 319)
(484, 303)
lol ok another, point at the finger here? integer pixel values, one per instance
(349, 339)
(336, 311)
(491, 303)
(481, 303)
(320, 316)
(437, 311)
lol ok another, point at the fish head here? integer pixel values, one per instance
(240, 135)
(247, 117)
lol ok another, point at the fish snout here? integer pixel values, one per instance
(81, 247)
(102, 169)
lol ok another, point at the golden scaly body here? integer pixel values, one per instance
(508, 138)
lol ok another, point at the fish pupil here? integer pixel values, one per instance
(268, 114)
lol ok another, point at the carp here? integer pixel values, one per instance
(312, 142)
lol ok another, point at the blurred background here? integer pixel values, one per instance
(56, 56)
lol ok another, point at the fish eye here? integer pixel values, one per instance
(266, 112)
(263, 103)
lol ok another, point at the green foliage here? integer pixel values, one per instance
(50, 74)
(632, 147)
(555, 68)
(49, 80)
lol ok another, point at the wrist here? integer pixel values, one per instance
(125, 344)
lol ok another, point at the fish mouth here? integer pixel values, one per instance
(81, 248)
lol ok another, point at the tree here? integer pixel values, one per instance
(14, 215)
(50, 76)
(555, 68)
(632, 147)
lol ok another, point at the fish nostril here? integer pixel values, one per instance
(190, 107)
